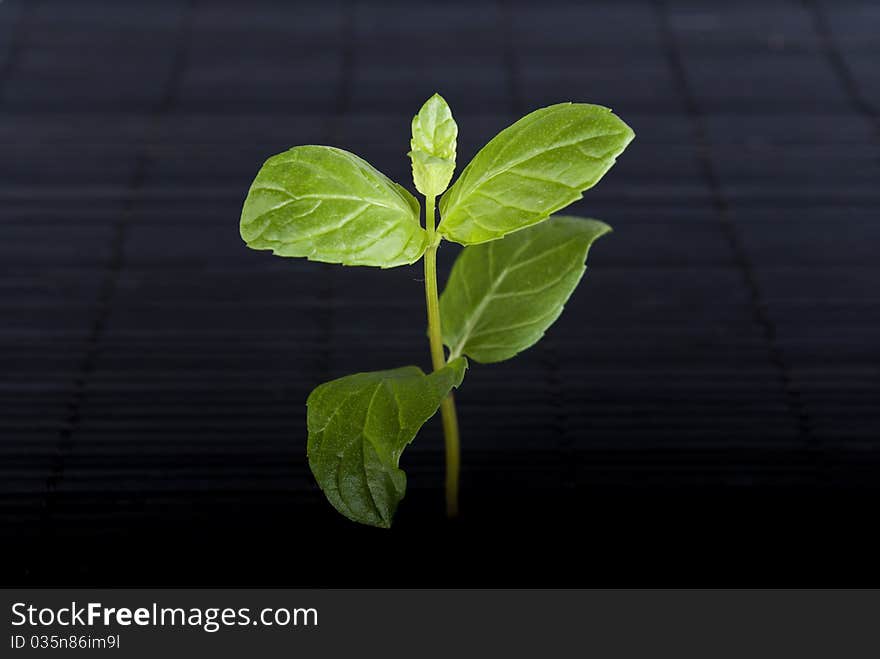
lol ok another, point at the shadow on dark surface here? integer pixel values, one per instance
(705, 411)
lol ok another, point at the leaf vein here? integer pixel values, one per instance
(534, 154)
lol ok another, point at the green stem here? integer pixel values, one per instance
(438, 359)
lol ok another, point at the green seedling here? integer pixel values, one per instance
(509, 284)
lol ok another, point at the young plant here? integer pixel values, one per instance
(508, 285)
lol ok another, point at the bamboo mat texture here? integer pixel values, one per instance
(705, 411)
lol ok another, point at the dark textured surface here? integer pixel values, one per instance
(706, 410)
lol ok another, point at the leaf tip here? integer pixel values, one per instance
(602, 228)
(460, 366)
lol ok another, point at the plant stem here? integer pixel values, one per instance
(450, 431)
(438, 359)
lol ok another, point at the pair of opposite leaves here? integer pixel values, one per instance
(329, 205)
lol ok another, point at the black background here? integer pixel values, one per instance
(704, 412)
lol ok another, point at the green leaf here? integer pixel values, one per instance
(359, 426)
(433, 144)
(329, 205)
(532, 169)
(431, 174)
(502, 296)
